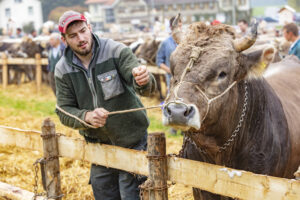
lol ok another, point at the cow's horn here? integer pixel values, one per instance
(176, 30)
(248, 40)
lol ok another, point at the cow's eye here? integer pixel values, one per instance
(222, 75)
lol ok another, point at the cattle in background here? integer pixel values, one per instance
(22, 48)
(146, 53)
(281, 46)
(229, 113)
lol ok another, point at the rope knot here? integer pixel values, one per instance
(195, 53)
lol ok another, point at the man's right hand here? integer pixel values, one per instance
(96, 117)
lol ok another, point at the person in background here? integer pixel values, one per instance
(19, 33)
(96, 76)
(55, 52)
(157, 27)
(243, 25)
(291, 34)
(33, 34)
(164, 52)
(163, 58)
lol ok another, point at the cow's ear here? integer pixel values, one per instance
(253, 65)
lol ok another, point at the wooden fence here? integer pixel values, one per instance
(38, 62)
(212, 178)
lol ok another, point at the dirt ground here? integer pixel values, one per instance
(16, 165)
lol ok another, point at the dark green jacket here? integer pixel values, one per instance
(108, 83)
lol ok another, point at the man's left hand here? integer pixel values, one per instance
(141, 75)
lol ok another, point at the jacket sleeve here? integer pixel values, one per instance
(126, 62)
(161, 55)
(66, 101)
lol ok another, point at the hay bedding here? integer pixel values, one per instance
(16, 164)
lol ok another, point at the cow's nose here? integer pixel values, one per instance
(178, 114)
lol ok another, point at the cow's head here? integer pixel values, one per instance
(206, 67)
(147, 50)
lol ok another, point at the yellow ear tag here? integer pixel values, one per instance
(262, 66)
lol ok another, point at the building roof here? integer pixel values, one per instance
(162, 2)
(286, 7)
(102, 2)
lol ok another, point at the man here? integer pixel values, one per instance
(33, 34)
(291, 34)
(163, 58)
(243, 25)
(94, 77)
(55, 52)
(19, 33)
(164, 53)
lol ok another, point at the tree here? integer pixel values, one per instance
(294, 4)
(27, 28)
(58, 11)
(48, 6)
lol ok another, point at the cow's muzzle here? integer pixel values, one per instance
(181, 116)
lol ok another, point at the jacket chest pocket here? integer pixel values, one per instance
(111, 84)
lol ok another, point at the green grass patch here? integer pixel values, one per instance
(156, 125)
(32, 106)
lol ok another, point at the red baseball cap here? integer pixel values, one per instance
(67, 18)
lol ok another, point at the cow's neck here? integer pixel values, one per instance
(263, 144)
(213, 135)
(261, 138)
(262, 141)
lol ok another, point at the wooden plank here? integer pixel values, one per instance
(38, 73)
(21, 138)
(15, 193)
(157, 166)
(4, 71)
(231, 182)
(156, 70)
(23, 61)
(111, 156)
(212, 178)
(44, 61)
(106, 155)
(51, 171)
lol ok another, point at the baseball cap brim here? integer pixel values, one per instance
(69, 19)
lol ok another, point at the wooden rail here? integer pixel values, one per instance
(212, 178)
(15, 193)
(37, 61)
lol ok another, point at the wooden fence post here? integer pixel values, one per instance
(158, 189)
(51, 170)
(4, 71)
(38, 71)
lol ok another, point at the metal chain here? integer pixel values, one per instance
(237, 129)
(35, 187)
(234, 133)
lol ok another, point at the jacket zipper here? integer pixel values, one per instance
(91, 85)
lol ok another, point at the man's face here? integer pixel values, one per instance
(54, 42)
(287, 35)
(79, 38)
(243, 26)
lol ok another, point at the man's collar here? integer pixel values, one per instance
(294, 44)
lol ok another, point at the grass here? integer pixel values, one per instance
(24, 101)
(34, 107)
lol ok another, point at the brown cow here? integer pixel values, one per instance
(147, 51)
(229, 113)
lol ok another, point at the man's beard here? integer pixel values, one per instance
(83, 52)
